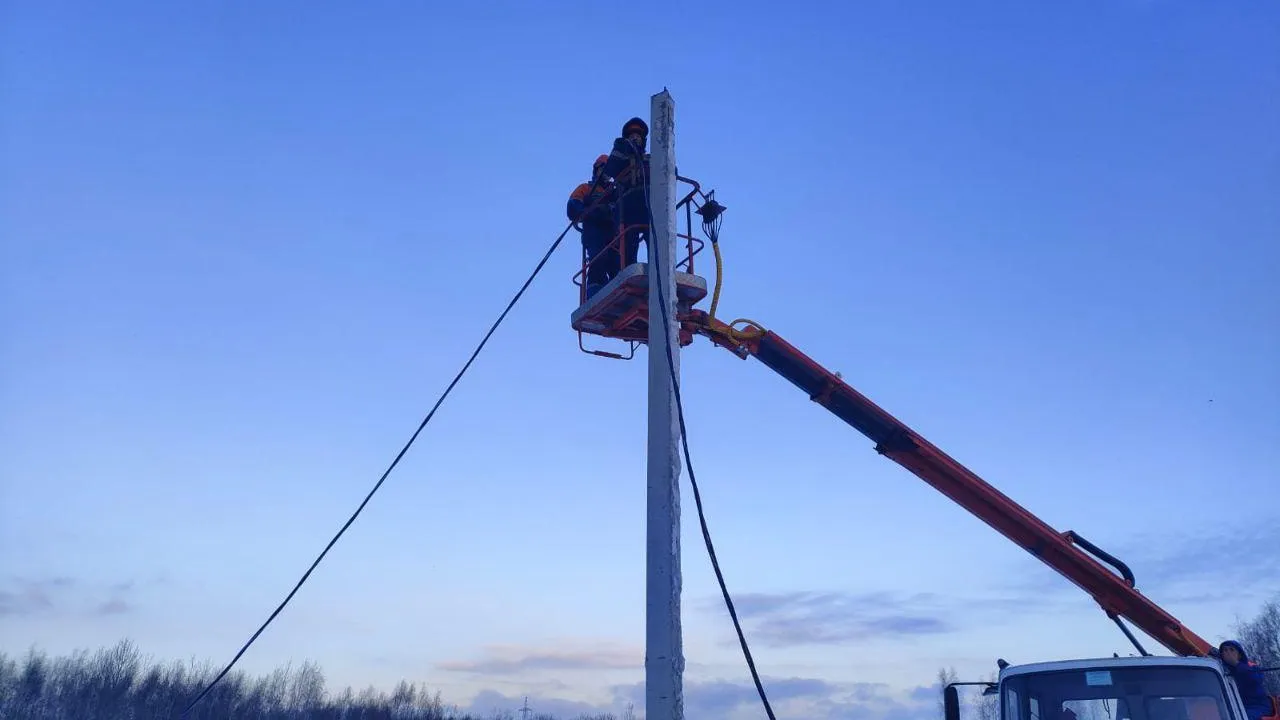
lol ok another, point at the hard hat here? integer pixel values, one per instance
(637, 123)
(600, 161)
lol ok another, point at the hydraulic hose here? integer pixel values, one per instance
(753, 329)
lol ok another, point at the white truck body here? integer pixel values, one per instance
(1116, 688)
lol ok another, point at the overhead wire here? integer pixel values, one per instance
(396, 461)
(706, 533)
(684, 444)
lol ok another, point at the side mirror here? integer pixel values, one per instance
(951, 703)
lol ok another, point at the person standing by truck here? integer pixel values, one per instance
(1248, 678)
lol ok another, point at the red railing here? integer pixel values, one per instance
(690, 203)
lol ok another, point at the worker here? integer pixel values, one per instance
(592, 204)
(629, 165)
(1248, 677)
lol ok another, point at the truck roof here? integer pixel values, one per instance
(1111, 662)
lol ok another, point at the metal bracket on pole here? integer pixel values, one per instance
(664, 654)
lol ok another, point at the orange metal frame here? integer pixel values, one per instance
(638, 303)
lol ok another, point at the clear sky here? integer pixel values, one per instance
(245, 246)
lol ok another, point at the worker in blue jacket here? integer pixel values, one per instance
(628, 165)
(592, 204)
(1248, 677)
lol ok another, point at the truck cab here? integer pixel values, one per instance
(1133, 688)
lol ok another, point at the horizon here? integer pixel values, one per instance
(123, 669)
(245, 248)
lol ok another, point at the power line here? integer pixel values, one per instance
(546, 256)
(684, 444)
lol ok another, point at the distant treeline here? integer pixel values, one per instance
(117, 684)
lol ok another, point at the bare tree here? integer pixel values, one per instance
(986, 707)
(945, 677)
(32, 680)
(306, 692)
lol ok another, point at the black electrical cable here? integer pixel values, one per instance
(546, 256)
(684, 443)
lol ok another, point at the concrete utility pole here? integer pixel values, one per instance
(664, 654)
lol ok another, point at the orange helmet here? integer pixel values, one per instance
(600, 161)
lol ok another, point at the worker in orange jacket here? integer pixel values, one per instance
(593, 205)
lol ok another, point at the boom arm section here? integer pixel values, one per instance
(1070, 555)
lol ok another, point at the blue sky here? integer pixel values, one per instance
(246, 245)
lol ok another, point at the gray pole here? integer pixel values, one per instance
(664, 656)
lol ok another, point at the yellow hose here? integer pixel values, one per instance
(715, 296)
(754, 329)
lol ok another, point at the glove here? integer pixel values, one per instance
(622, 146)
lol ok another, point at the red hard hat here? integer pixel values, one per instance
(600, 161)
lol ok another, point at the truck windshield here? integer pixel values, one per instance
(1118, 693)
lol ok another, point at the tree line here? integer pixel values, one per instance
(117, 684)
